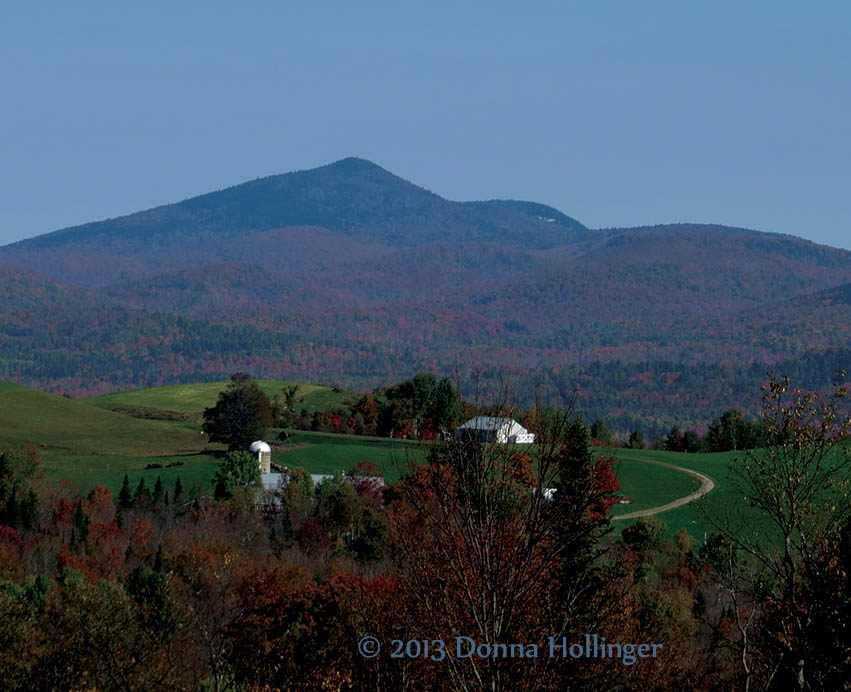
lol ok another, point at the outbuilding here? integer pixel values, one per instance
(494, 429)
(263, 452)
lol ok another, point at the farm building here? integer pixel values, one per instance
(493, 429)
(263, 452)
(278, 481)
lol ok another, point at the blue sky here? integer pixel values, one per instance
(617, 113)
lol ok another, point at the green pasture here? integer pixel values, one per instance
(87, 443)
(646, 483)
(87, 471)
(192, 399)
(699, 518)
(327, 453)
(60, 426)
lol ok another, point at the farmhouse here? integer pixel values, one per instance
(263, 452)
(493, 429)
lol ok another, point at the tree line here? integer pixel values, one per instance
(424, 408)
(420, 408)
(730, 432)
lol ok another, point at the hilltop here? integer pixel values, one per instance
(191, 399)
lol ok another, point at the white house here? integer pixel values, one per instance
(493, 429)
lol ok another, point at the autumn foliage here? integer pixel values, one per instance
(482, 541)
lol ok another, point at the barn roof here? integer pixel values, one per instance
(490, 423)
(486, 423)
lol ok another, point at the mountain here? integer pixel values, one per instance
(350, 275)
(354, 202)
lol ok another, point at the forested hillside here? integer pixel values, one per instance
(348, 274)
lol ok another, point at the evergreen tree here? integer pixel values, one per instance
(692, 442)
(157, 497)
(18, 501)
(729, 432)
(29, 511)
(237, 469)
(447, 405)
(36, 592)
(10, 514)
(178, 489)
(600, 432)
(125, 499)
(674, 441)
(142, 493)
(423, 388)
(282, 537)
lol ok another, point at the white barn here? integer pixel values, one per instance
(493, 429)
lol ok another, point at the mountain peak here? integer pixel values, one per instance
(352, 197)
(355, 164)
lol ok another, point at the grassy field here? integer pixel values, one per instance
(62, 425)
(693, 516)
(89, 445)
(327, 453)
(192, 399)
(86, 442)
(646, 483)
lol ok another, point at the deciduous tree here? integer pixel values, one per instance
(241, 415)
(485, 552)
(798, 487)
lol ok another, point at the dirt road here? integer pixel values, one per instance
(706, 484)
